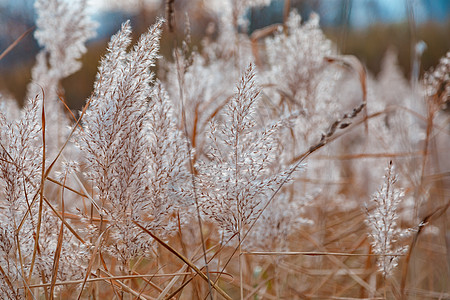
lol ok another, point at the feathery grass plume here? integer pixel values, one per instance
(437, 90)
(170, 184)
(299, 78)
(400, 126)
(127, 161)
(21, 154)
(238, 176)
(232, 47)
(297, 67)
(62, 30)
(207, 76)
(391, 85)
(396, 128)
(20, 170)
(389, 133)
(205, 87)
(382, 222)
(437, 94)
(437, 83)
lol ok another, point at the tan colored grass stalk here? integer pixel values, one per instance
(58, 246)
(91, 199)
(316, 253)
(16, 42)
(180, 288)
(341, 265)
(171, 283)
(192, 169)
(438, 212)
(369, 155)
(107, 278)
(185, 260)
(78, 218)
(241, 276)
(106, 268)
(264, 296)
(67, 187)
(222, 272)
(91, 261)
(256, 289)
(41, 192)
(6, 278)
(69, 111)
(24, 278)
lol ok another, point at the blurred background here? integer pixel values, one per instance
(365, 28)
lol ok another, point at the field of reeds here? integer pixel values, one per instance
(262, 166)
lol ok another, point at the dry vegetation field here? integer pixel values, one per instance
(267, 166)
